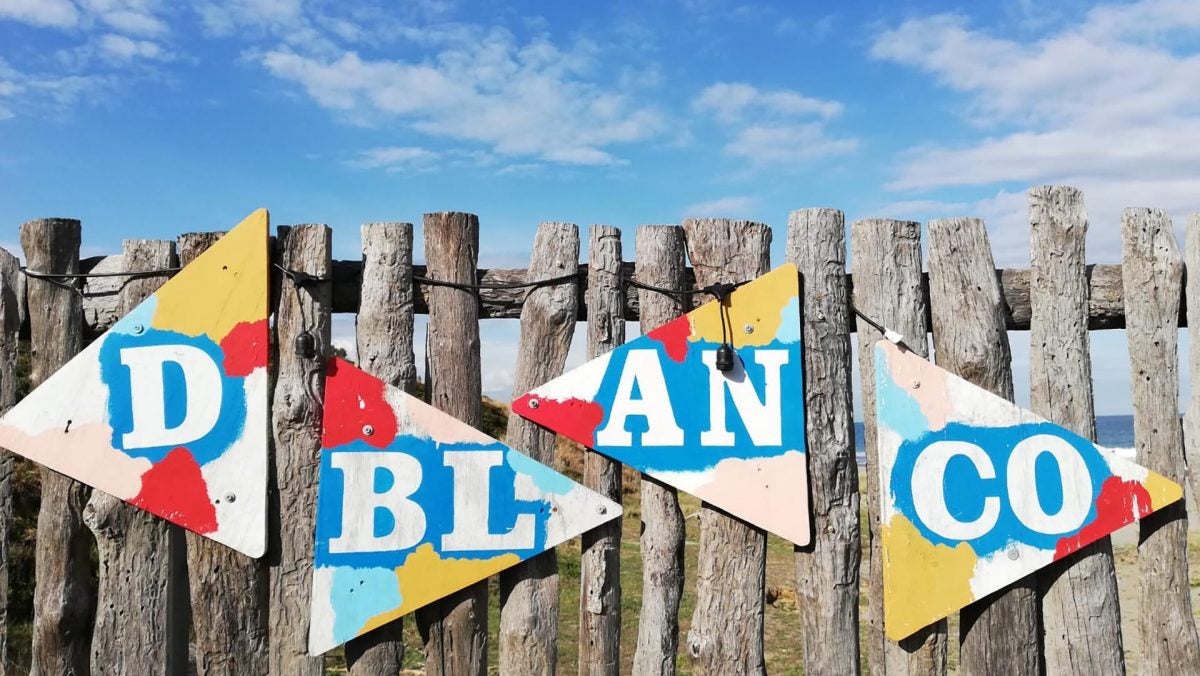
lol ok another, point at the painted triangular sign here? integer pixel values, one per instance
(661, 405)
(978, 493)
(414, 504)
(168, 409)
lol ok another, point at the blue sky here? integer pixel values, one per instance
(147, 118)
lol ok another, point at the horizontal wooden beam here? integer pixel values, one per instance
(1106, 304)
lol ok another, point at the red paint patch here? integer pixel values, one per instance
(174, 489)
(575, 419)
(353, 400)
(674, 337)
(1114, 510)
(245, 348)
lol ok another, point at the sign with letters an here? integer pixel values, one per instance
(168, 409)
(660, 404)
(978, 493)
(413, 505)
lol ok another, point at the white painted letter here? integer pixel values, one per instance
(641, 367)
(148, 400)
(761, 418)
(359, 502)
(1022, 485)
(929, 498)
(472, 498)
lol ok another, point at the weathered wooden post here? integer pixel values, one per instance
(384, 337)
(64, 597)
(1153, 278)
(827, 569)
(12, 305)
(726, 636)
(529, 590)
(228, 589)
(455, 628)
(141, 612)
(889, 288)
(1081, 614)
(600, 563)
(661, 255)
(296, 417)
(998, 634)
(1191, 419)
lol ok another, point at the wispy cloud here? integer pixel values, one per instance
(731, 207)
(53, 13)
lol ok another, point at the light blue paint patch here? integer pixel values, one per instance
(358, 594)
(141, 316)
(789, 322)
(895, 408)
(546, 479)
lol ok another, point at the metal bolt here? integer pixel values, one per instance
(1014, 554)
(368, 430)
(601, 509)
(534, 403)
(230, 497)
(749, 328)
(916, 384)
(138, 329)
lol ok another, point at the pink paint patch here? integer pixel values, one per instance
(175, 489)
(245, 348)
(674, 337)
(1114, 509)
(354, 400)
(575, 419)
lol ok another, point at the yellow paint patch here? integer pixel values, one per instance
(758, 304)
(1162, 490)
(426, 577)
(922, 582)
(223, 287)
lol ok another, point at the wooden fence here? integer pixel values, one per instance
(246, 617)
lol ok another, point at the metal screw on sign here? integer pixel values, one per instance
(1013, 554)
(601, 509)
(534, 403)
(230, 497)
(916, 384)
(749, 328)
(138, 329)
(368, 430)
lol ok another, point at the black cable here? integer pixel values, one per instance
(90, 275)
(507, 286)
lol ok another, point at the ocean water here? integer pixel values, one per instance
(1113, 431)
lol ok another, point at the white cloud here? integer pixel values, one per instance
(533, 100)
(773, 127)
(393, 158)
(52, 13)
(132, 17)
(121, 48)
(726, 207)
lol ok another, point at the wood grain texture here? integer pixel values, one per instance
(600, 562)
(663, 253)
(726, 636)
(384, 338)
(998, 634)
(228, 589)
(1153, 284)
(64, 597)
(12, 302)
(889, 288)
(529, 590)
(1191, 417)
(296, 419)
(1081, 614)
(141, 610)
(455, 628)
(827, 583)
(1106, 306)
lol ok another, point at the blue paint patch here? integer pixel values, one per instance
(688, 393)
(789, 322)
(546, 479)
(142, 316)
(966, 491)
(231, 419)
(436, 497)
(358, 594)
(895, 408)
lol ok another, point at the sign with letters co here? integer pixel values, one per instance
(413, 505)
(660, 404)
(168, 409)
(978, 493)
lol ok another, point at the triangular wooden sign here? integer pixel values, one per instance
(168, 409)
(978, 493)
(414, 504)
(661, 405)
